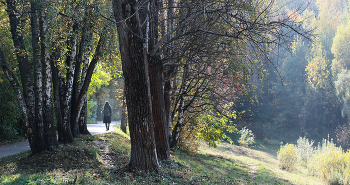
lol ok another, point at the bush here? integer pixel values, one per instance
(247, 137)
(189, 141)
(305, 149)
(329, 162)
(207, 127)
(288, 156)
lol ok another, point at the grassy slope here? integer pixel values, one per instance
(95, 160)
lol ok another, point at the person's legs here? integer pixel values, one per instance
(106, 126)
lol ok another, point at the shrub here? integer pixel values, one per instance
(189, 141)
(345, 178)
(247, 137)
(305, 149)
(329, 162)
(288, 156)
(208, 127)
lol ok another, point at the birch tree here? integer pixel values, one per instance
(65, 51)
(39, 124)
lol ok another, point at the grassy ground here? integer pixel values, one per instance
(96, 160)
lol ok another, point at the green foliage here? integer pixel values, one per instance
(282, 102)
(342, 86)
(209, 128)
(341, 48)
(99, 79)
(287, 156)
(10, 121)
(247, 137)
(189, 141)
(318, 68)
(328, 19)
(340, 64)
(213, 129)
(91, 109)
(327, 160)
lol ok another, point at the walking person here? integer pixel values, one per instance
(107, 114)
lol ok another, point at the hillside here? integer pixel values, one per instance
(96, 160)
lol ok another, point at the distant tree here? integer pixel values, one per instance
(329, 14)
(343, 90)
(341, 64)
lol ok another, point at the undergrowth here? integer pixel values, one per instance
(326, 161)
(101, 159)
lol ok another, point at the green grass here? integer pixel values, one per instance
(98, 160)
(90, 121)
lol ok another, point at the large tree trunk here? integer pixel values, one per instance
(48, 119)
(158, 109)
(169, 81)
(85, 66)
(135, 70)
(57, 97)
(77, 85)
(68, 136)
(38, 87)
(156, 85)
(83, 119)
(169, 73)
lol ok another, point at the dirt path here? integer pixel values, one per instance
(16, 148)
(252, 171)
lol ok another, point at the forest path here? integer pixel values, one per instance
(252, 171)
(16, 148)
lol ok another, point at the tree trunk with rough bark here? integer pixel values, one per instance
(156, 85)
(169, 81)
(158, 109)
(137, 90)
(57, 96)
(83, 119)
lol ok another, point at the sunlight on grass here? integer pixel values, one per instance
(100, 159)
(268, 171)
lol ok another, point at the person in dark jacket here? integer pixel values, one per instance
(107, 114)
